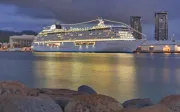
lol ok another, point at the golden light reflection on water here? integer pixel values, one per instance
(166, 75)
(152, 74)
(109, 74)
(177, 77)
(126, 72)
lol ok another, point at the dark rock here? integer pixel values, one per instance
(93, 103)
(137, 103)
(33, 92)
(86, 89)
(61, 92)
(12, 87)
(153, 108)
(28, 104)
(172, 102)
(60, 96)
(62, 102)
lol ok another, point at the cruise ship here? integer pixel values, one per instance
(98, 38)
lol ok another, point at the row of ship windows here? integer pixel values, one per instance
(89, 33)
(80, 35)
(114, 30)
(102, 36)
(75, 43)
(44, 39)
(62, 38)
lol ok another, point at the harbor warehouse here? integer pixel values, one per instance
(21, 41)
(159, 46)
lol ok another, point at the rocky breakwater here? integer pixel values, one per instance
(16, 97)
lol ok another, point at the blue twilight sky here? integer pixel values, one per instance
(20, 15)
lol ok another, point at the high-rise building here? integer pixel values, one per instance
(136, 25)
(161, 26)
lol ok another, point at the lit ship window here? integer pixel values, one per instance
(79, 34)
(84, 43)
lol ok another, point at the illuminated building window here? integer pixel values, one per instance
(151, 48)
(166, 49)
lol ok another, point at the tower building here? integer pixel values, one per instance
(161, 26)
(136, 25)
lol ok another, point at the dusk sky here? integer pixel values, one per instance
(17, 15)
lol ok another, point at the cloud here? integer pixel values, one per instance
(11, 21)
(7, 28)
(71, 11)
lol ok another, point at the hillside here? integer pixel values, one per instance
(4, 35)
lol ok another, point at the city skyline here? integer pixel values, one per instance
(19, 15)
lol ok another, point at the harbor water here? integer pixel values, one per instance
(121, 76)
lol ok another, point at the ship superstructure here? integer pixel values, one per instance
(98, 38)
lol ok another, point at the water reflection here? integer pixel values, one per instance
(166, 76)
(107, 73)
(122, 76)
(17, 66)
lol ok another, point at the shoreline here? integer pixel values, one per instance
(20, 98)
(157, 52)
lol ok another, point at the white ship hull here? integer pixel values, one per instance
(100, 46)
